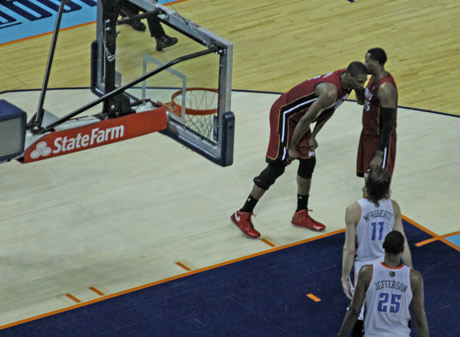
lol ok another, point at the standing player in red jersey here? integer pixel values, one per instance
(312, 101)
(377, 145)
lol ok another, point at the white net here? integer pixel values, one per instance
(200, 110)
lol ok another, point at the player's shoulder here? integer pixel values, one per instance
(366, 272)
(415, 274)
(327, 88)
(395, 204)
(387, 88)
(354, 208)
(416, 279)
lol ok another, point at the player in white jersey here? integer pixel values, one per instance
(368, 221)
(388, 289)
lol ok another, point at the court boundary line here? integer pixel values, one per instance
(215, 266)
(168, 279)
(435, 237)
(235, 90)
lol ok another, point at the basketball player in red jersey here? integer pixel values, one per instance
(377, 145)
(312, 101)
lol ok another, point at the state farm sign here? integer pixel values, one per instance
(97, 134)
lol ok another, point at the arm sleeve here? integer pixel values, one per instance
(386, 126)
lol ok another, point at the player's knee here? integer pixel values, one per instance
(306, 167)
(268, 176)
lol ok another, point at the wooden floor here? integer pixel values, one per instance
(124, 215)
(278, 44)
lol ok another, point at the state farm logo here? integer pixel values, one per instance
(98, 133)
(41, 149)
(81, 141)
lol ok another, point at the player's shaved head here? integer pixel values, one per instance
(356, 69)
(378, 54)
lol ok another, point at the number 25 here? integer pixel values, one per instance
(383, 303)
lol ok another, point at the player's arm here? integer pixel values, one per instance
(325, 116)
(364, 279)
(421, 323)
(327, 94)
(320, 123)
(387, 95)
(398, 226)
(359, 93)
(352, 215)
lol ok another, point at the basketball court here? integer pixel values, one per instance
(144, 223)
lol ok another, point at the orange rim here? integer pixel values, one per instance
(189, 111)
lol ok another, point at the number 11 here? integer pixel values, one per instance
(374, 230)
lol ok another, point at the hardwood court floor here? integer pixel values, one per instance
(136, 212)
(123, 215)
(279, 44)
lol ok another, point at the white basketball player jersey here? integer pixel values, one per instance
(374, 225)
(387, 302)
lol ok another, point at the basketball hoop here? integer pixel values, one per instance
(200, 109)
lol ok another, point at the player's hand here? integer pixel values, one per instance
(312, 144)
(292, 155)
(347, 289)
(377, 161)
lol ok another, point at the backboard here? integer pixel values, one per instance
(122, 56)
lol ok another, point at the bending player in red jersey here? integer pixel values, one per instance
(312, 101)
(377, 145)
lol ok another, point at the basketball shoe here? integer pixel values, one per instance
(243, 221)
(165, 41)
(302, 219)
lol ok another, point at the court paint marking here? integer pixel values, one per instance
(268, 242)
(73, 298)
(435, 236)
(192, 272)
(451, 237)
(313, 297)
(97, 291)
(183, 266)
(455, 238)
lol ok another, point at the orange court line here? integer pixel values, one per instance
(175, 2)
(451, 234)
(73, 298)
(314, 298)
(106, 297)
(268, 242)
(435, 236)
(100, 293)
(422, 243)
(183, 266)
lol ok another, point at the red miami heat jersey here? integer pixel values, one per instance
(302, 96)
(289, 108)
(371, 111)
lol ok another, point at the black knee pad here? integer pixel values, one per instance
(306, 167)
(267, 177)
